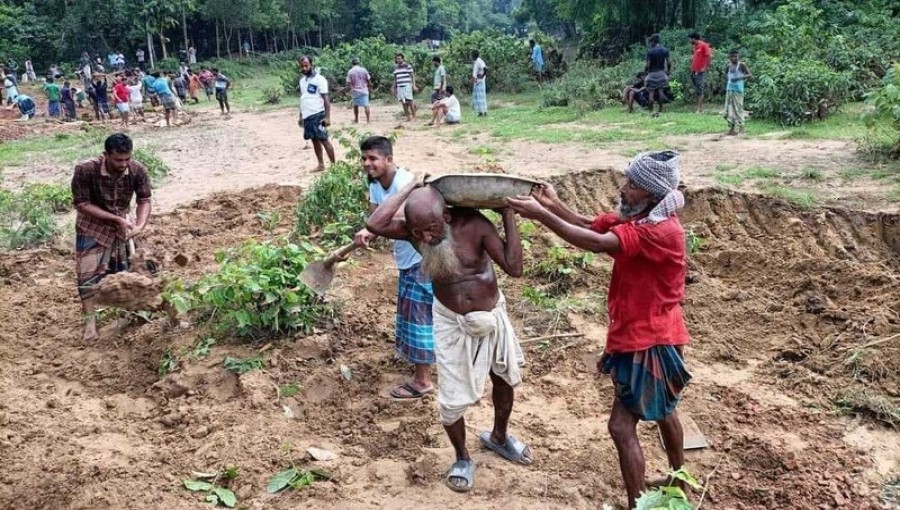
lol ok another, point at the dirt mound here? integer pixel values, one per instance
(130, 291)
(105, 422)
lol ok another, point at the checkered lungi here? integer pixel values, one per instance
(415, 330)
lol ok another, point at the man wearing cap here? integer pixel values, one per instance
(644, 346)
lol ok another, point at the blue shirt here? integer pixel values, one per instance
(537, 55)
(405, 254)
(161, 86)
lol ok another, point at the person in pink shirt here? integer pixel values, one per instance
(359, 81)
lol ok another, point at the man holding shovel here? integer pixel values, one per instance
(414, 329)
(102, 190)
(644, 345)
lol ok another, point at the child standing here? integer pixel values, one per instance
(194, 86)
(54, 95)
(121, 95)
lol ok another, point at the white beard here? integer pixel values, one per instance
(439, 261)
(626, 210)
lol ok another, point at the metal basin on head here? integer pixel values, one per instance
(480, 191)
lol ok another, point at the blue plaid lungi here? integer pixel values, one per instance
(648, 383)
(415, 330)
(479, 97)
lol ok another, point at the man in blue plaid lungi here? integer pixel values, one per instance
(479, 85)
(414, 334)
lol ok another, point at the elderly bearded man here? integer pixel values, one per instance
(473, 335)
(643, 354)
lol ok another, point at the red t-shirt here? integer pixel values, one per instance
(702, 57)
(120, 91)
(647, 284)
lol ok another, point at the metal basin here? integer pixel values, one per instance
(480, 191)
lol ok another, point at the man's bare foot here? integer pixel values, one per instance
(90, 330)
(320, 168)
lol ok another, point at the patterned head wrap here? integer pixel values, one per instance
(657, 174)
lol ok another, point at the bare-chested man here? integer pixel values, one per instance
(473, 335)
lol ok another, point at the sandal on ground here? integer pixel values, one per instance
(513, 451)
(411, 393)
(464, 469)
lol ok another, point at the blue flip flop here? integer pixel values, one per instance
(464, 469)
(513, 450)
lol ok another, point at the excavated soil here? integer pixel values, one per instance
(789, 312)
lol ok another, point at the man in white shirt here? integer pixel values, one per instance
(479, 84)
(446, 110)
(315, 110)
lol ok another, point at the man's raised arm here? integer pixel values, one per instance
(385, 222)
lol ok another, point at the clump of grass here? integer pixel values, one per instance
(876, 407)
(794, 196)
(761, 172)
(157, 169)
(730, 179)
(812, 174)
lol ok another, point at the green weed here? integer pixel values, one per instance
(157, 169)
(877, 407)
(289, 390)
(243, 365)
(731, 179)
(214, 493)
(27, 216)
(269, 220)
(694, 242)
(797, 197)
(670, 496)
(295, 478)
(812, 174)
(761, 172)
(168, 363)
(203, 347)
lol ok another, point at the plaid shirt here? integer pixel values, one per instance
(92, 184)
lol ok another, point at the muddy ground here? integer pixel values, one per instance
(789, 311)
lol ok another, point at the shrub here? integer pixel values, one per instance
(588, 86)
(257, 291)
(884, 120)
(794, 91)
(335, 206)
(271, 95)
(26, 217)
(375, 54)
(507, 60)
(157, 169)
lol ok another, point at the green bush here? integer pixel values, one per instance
(257, 291)
(793, 91)
(157, 169)
(588, 86)
(375, 54)
(26, 217)
(884, 120)
(507, 60)
(335, 207)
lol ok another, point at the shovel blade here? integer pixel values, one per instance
(693, 436)
(317, 276)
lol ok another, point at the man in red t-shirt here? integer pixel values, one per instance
(646, 334)
(699, 64)
(121, 95)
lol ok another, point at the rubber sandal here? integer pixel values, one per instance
(412, 393)
(464, 469)
(513, 450)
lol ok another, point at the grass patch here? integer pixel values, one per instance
(68, 148)
(794, 196)
(876, 407)
(730, 179)
(811, 174)
(761, 172)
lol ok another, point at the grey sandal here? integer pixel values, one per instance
(513, 450)
(464, 469)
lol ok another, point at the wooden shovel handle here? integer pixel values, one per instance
(339, 254)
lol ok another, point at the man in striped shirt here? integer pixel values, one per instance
(404, 86)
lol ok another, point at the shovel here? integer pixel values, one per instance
(318, 275)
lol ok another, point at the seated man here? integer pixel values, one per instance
(473, 335)
(636, 92)
(446, 110)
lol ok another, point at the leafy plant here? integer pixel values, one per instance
(168, 363)
(202, 347)
(289, 390)
(793, 91)
(269, 219)
(295, 479)
(271, 95)
(335, 206)
(694, 242)
(243, 365)
(506, 57)
(26, 216)
(885, 116)
(256, 291)
(215, 494)
(560, 265)
(157, 169)
(669, 497)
